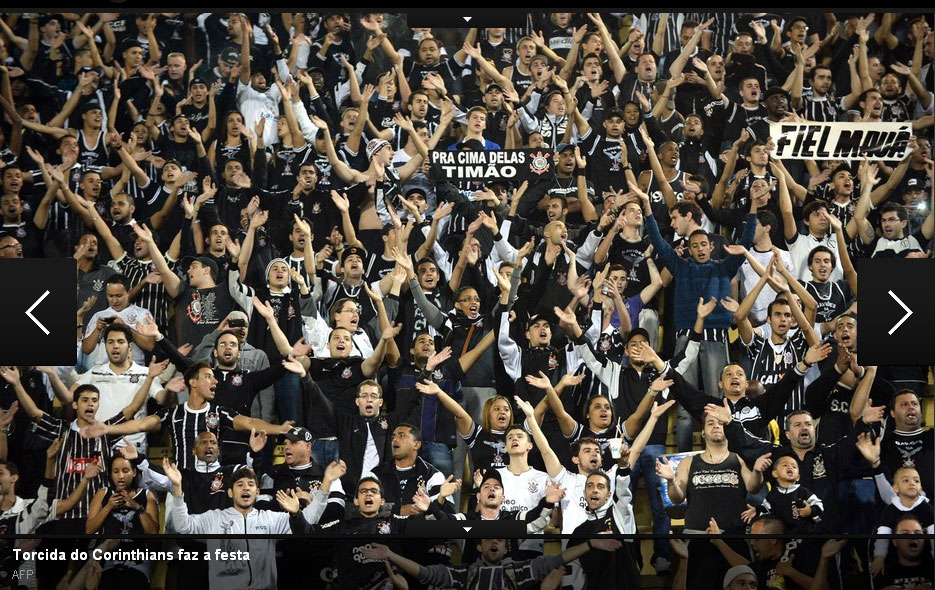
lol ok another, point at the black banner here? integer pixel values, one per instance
(518, 165)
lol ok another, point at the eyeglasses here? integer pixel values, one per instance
(474, 299)
(368, 396)
(228, 344)
(371, 491)
(20, 246)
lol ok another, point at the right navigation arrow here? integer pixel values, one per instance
(902, 319)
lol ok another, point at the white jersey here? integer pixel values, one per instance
(131, 315)
(524, 491)
(574, 508)
(117, 391)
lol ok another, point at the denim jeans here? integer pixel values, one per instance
(439, 455)
(712, 358)
(857, 506)
(324, 452)
(646, 467)
(289, 397)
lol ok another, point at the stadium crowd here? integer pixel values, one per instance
(267, 255)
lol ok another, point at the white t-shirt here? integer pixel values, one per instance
(117, 391)
(523, 491)
(802, 247)
(574, 508)
(749, 280)
(130, 316)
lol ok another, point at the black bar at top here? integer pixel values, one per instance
(453, 18)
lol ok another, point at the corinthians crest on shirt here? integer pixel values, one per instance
(212, 420)
(383, 527)
(217, 484)
(237, 380)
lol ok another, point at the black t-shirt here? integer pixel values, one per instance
(200, 311)
(896, 576)
(488, 449)
(804, 556)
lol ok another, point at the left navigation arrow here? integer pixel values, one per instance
(33, 318)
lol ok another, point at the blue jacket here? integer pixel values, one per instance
(693, 280)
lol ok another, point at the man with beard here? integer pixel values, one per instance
(716, 483)
(821, 104)
(822, 466)
(897, 105)
(23, 228)
(609, 512)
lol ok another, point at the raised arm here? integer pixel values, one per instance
(552, 465)
(170, 280)
(462, 419)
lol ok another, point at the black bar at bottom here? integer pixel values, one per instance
(467, 529)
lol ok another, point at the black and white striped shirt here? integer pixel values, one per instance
(75, 455)
(824, 109)
(153, 296)
(184, 426)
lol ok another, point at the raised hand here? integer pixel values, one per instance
(704, 309)
(438, 358)
(300, 348)
(294, 366)
(722, 412)
(450, 487)
(426, 387)
(263, 308)
(816, 354)
(335, 470)
(660, 384)
(172, 472)
(748, 515)
(540, 381)
(730, 305)
(659, 410)
(869, 447)
(664, 469)
(288, 501)
(524, 406)
(10, 375)
(763, 462)
(6, 416)
(157, 367)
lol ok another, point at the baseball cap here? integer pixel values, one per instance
(416, 190)
(197, 80)
(637, 332)
(492, 86)
(91, 105)
(736, 571)
(230, 55)
(775, 90)
(205, 260)
(375, 145)
(298, 434)
(535, 318)
(564, 146)
(613, 112)
(353, 251)
(129, 44)
(913, 185)
(492, 474)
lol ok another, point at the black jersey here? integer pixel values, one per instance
(832, 298)
(92, 151)
(488, 449)
(772, 361)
